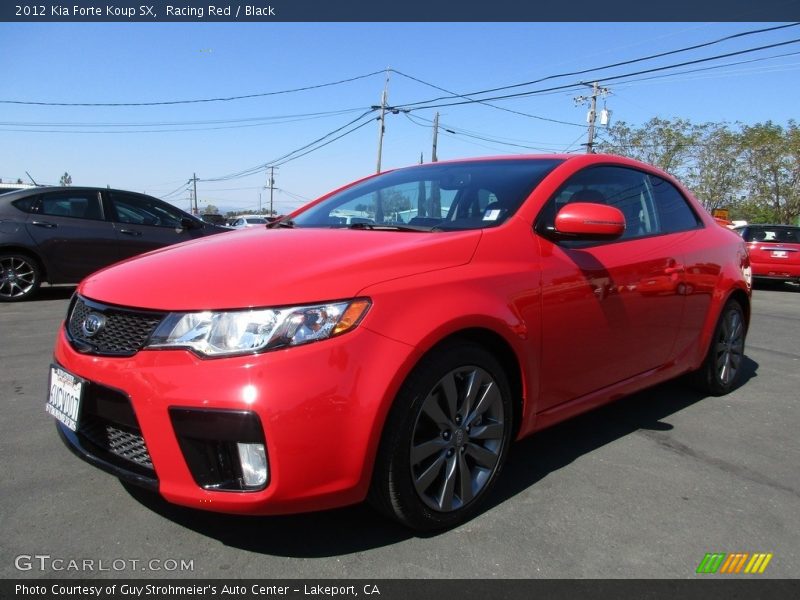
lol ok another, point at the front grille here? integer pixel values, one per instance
(124, 333)
(127, 445)
(109, 425)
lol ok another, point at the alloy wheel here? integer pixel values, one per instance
(18, 277)
(457, 439)
(730, 346)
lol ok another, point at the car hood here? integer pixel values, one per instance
(273, 267)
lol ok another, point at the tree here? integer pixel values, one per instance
(752, 170)
(66, 179)
(666, 144)
(717, 174)
(211, 210)
(773, 177)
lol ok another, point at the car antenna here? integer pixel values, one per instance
(31, 178)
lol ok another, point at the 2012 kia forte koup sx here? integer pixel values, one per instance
(391, 339)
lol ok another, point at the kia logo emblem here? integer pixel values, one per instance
(92, 324)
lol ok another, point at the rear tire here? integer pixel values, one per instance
(721, 370)
(445, 440)
(20, 277)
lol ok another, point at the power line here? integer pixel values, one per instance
(504, 109)
(289, 156)
(346, 133)
(415, 105)
(180, 189)
(711, 68)
(274, 118)
(483, 137)
(617, 64)
(196, 101)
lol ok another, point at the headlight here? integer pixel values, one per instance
(246, 331)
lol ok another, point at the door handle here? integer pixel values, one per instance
(676, 268)
(45, 224)
(132, 232)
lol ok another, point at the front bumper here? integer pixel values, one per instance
(321, 406)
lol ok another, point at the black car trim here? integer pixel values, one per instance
(73, 442)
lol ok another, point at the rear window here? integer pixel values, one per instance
(777, 235)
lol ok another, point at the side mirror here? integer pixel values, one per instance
(187, 224)
(590, 221)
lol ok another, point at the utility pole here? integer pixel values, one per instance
(592, 116)
(194, 181)
(271, 188)
(382, 118)
(435, 158)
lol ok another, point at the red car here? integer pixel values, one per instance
(774, 251)
(397, 359)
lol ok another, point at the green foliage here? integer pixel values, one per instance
(66, 179)
(752, 170)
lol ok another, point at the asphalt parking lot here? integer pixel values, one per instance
(640, 489)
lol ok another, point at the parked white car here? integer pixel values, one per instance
(243, 221)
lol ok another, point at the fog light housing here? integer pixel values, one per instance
(253, 460)
(225, 450)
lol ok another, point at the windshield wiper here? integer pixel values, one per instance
(383, 227)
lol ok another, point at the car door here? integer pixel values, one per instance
(143, 223)
(610, 310)
(72, 234)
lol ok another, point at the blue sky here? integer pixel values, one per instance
(127, 147)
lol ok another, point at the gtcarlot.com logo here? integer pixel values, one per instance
(734, 563)
(46, 562)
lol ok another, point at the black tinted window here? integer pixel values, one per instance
(142, 210)
(78, 205)
(25, 204)
(650, 204)
(767, 233)
(626, 189)
(674, 212)
(447, 196)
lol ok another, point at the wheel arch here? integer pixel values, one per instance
(736, 293)
(498, 346)
(488, 339)
(30, 254)
(485, 339)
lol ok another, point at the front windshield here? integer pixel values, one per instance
(452, 196)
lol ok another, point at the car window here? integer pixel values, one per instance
(674, 212)
(651, 205)
(142, 210)
(446, 196)
(77, 205)
(789, 235)
(398, 203)
(25, 204)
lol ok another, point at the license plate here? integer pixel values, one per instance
(64, 397)
(779, 254)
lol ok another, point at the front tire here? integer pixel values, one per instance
(20, 277)
(445, 440)
(721, 370)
